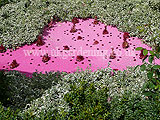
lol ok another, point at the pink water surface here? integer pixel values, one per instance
(59, 35)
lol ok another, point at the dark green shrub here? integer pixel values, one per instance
(86, 101)
(130, 107)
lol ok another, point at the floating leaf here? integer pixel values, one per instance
(151, 52)
(145, 52)
(139, 48)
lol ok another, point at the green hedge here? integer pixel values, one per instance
(86, 101)
(21, 22)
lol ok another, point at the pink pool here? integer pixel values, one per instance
(88, 42)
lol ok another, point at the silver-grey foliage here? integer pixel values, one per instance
(20, 24)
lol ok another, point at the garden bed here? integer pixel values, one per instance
(106, 93)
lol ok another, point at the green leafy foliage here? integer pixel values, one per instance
(155, 5)
(151, 58)
(151, 52)
(139, 48)
(156, 67)
(145, 52)
(143, 67)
